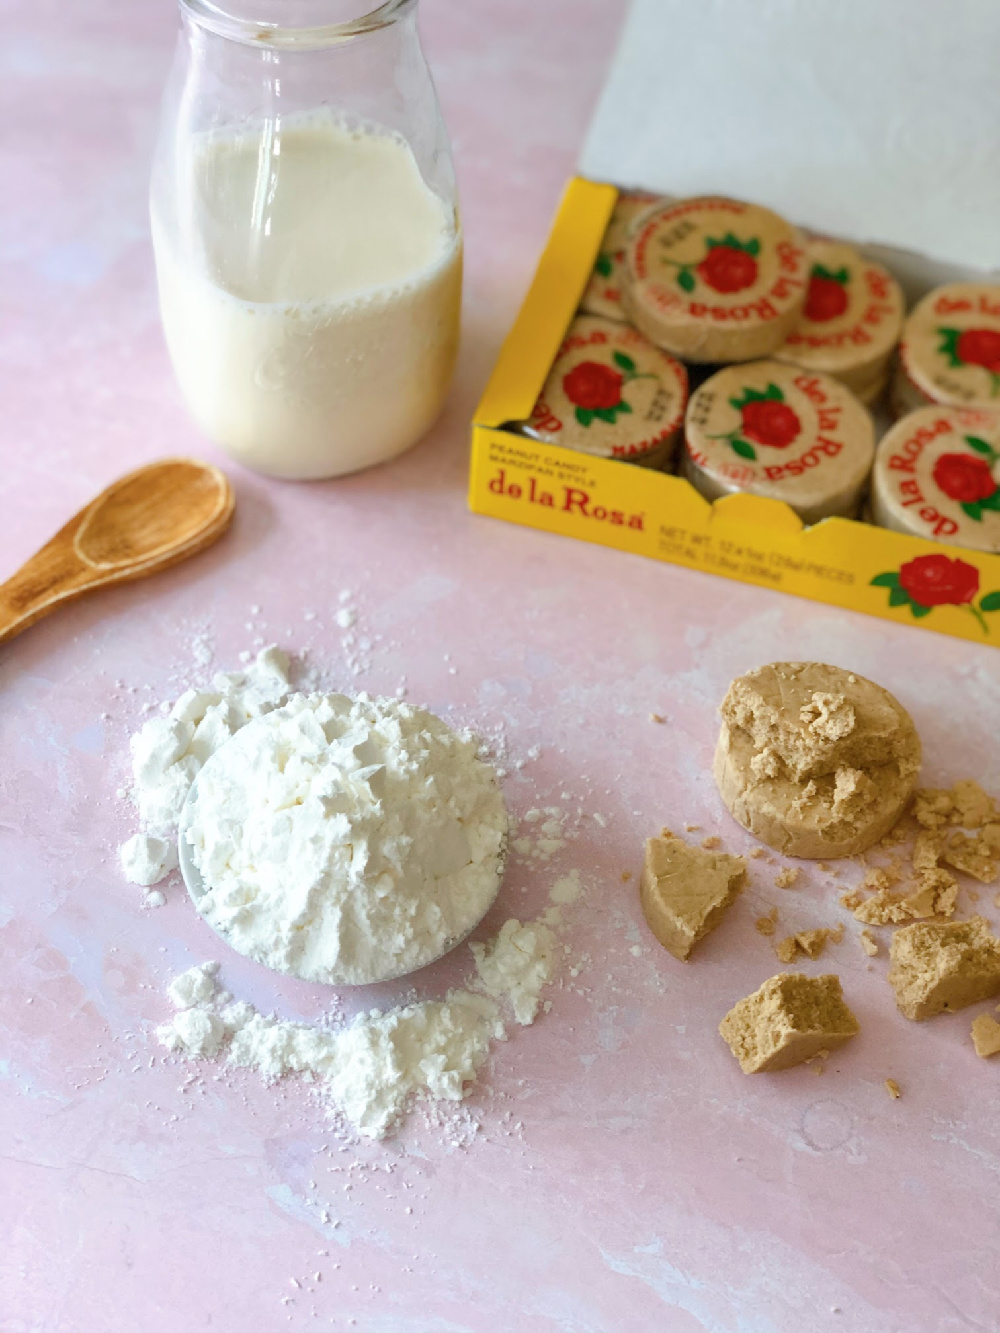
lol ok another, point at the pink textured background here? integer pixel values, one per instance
(627, 1175)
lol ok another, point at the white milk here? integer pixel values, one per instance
(310, 287)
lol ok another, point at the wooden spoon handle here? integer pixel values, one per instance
(134, 528)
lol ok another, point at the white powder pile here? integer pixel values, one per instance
(347, 840)
(369, 1070)
(168, 752)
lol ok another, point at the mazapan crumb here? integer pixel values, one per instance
(986, 1036)
(766, 925)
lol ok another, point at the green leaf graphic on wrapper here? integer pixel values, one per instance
(604, 265)
(949, 346)
(585, 415)
(840, 275)
(752, 247)
(901, 596)
(976, 508)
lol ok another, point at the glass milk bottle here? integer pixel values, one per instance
(306, 232)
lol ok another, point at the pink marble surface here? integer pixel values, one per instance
(626, 1175)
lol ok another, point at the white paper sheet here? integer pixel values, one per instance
(875, 120)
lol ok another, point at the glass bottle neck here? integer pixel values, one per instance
(303, 25)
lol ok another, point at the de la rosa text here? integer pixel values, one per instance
(568, 499)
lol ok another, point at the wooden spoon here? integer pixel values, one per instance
(144, 522)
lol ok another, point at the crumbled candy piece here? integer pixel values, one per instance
(869, 943)
(986, 1036)
(766, 924)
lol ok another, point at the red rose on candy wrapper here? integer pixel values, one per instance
(730, 265)
(593, 387)
(767, 421)
(728, 269)
(979, 347)
(934, 580)
(964, 478)
(939, 580)
(765, 418)
(973, 347)
(827, 295)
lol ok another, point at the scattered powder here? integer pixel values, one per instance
(517, 964)
(711, 843)
(368, 1070)
(785, 879)
(567, 889)
(346, 617)
(755, 853)
(892, 1088)
(656, 717)
(146, 860)
(195, 986)
(545, 837)
(691, 828)
(869, 943)
(627, 875)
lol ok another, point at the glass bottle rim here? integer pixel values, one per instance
(216, 16)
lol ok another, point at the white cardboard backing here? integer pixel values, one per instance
(874, 120)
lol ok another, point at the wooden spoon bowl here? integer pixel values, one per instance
(144, 522)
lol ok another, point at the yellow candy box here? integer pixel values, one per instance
(840, 561)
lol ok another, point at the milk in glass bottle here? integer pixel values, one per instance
(306, 232)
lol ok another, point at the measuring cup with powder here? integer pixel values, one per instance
(343, 840)
(306, 232)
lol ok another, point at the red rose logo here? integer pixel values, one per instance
(729, 265)
(973, 347)
(827, 295)
(765, 418)
(939, 580)
(595, 390)
(980, 347)
(964, 477)
(928, 581)
(770, 422)
(726, 269)
(593, 386)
